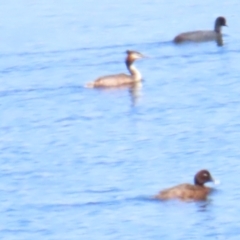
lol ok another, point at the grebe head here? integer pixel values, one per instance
(133, 55)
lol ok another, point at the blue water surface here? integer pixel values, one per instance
(80, 163)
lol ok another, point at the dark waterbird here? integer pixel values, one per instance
(203, 36)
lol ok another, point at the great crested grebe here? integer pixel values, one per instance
(203, 36)
(121, 79)
(196, 192)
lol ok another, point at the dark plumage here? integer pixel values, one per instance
(202, 36)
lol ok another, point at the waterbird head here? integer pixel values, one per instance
(203, 177)
(134, 55)
(221, 21)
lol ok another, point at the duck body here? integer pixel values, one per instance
(189, 192)
(203, 36)
(122, 79)
(198, 36)
(185, 192)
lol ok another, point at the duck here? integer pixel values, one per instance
(203, 36)
(189, 192)
(121, 79)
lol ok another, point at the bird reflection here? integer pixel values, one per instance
(135, 92)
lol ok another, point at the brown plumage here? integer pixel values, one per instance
(187, 192)
(121, 79)
(202, 36)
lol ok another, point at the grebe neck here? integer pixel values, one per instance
(134, 71)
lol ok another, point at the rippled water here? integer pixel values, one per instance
(81, 163)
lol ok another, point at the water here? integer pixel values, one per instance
(81, 163)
